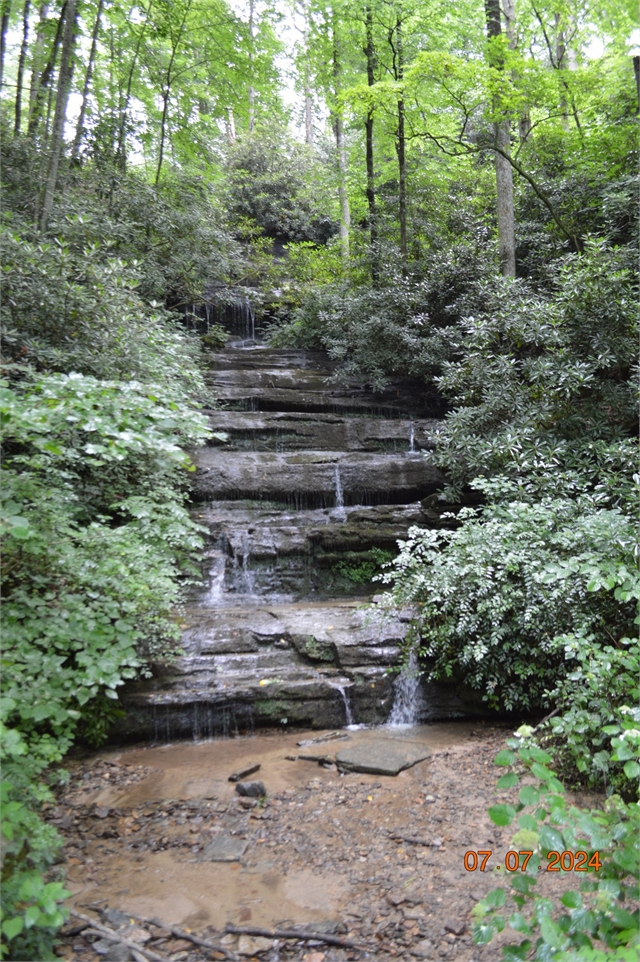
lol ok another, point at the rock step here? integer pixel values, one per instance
(280, 431)
(259, 533)
(310, 390)
(314, 478)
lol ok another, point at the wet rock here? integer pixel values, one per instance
(382, 756)
(224, 848)
(118, 953)
(251, 945)
(251, 789)
(244, 773)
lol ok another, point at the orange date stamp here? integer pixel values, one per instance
(518, 861)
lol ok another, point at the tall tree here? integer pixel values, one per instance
(80, 128)
(337, 111)
(44, 84)
(22, 59)
(502, 141)
(62, 98)
(370, 54)
(396, 42)
(4, 27)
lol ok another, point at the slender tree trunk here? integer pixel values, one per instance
(80, 131)
(370, 54)
(338, 128)
(38, 51)
(308, 111)
(401, 144)
(504, 173)
(44, 84)
(62, 97)
(252, 92)
(121, 153)
(4, 26)
(21, 62)
(167, 90)
(231, 126)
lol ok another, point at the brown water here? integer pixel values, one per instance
(259, 890)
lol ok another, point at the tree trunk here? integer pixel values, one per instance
(38, 50)
(21, 62)
(43, 86)
(252, 92)
(175, 43)
(504, 173)
(80, 131)
(338, 128)
(4, 26)
(401, 143)
(62, 97)
(121, 153)
(308, 111)
(371, 183)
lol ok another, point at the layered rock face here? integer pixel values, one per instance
(315, 482)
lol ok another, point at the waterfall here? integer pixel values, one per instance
(348, 714)
(250, 326)
(412, 438)
(216, 576)
(339, 495)
(408, 701)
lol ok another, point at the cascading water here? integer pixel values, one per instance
(217, 575)
(348, 714)
(408, 700)
(339, 511)
(412, 440)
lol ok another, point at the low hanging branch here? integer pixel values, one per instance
(466, 149)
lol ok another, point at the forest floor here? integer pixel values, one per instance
(374, 861)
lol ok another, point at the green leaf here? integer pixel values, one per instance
(12, 927)
(505, 757)
(551, 933)
(572, 899)
(550, 839)
(502, 814)
(496, 898)
(529, 795)
(508, 780)
(631, 769)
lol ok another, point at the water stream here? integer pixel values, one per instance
(409, 702)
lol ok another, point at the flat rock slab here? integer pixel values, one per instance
(381, 757)
(224, 849)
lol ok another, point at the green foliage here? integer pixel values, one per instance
(363, 572)
(95, 535)
(600, 919)
(489, 608)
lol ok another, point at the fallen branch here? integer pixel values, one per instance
(183, 934)
(292, 934)
(415, 841)
(116, 937)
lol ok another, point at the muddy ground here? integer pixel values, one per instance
(325, 852)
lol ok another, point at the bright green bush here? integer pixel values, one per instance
(597, 921)
(95, 538)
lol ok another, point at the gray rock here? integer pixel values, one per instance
(251, 789)
(115, 918)
(382, 756)
(118, 953)
(224, 848)
(423, 950)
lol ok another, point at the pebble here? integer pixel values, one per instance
(251, 789)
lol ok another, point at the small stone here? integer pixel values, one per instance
(102, 811)
(396, 898)
(456, 928)
(118, 953)
(315, 957)
(250, 945)
(224, 848)
(412, 912)
(251, 789)
(423, 949)
(115, 918)
(248, 802)
(429, 799)
(102, 946)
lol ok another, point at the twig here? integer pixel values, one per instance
(182, 934)
(292, 934)
(546, 718)
(413, 841)
(115, 937)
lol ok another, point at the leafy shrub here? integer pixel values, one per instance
(598, 922)
(489, 604)
(363, 572)
(95, 536)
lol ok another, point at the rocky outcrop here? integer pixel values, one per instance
(317, 482)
